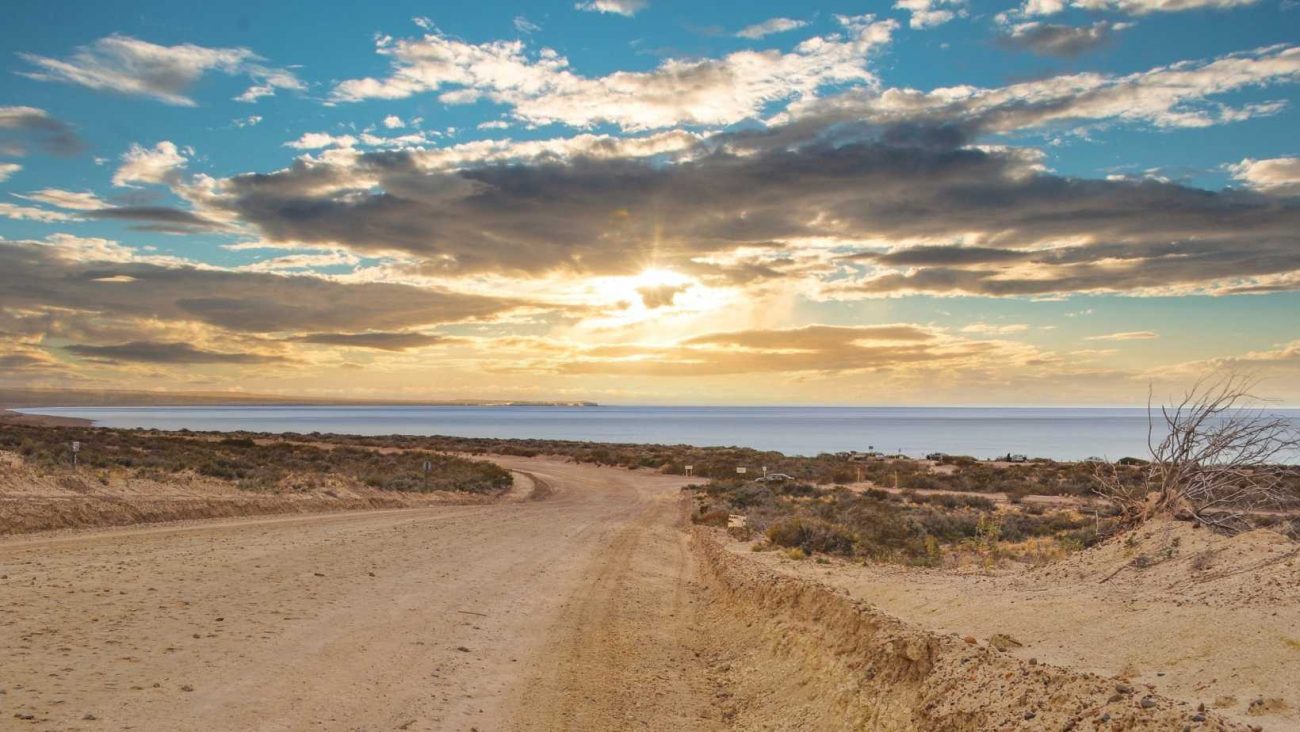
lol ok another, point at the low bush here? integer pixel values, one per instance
(811, 535)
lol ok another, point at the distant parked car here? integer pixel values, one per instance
(775, 478)
(1017, 458)
(936, 456)
(1094, 459)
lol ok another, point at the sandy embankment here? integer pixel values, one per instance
(37, 500)
(1209, 620)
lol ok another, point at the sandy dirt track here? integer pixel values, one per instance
(523, 614)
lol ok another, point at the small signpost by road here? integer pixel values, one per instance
(76, 448)
(741, 471)
(689, 468)
(428, 468)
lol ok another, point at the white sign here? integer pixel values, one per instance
(76, 446)
(428, 466)
(741, 471)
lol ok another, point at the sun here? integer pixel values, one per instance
(657, 277)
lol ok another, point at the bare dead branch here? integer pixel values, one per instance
(1222, 458)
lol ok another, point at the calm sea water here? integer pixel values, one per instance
(1060, 433)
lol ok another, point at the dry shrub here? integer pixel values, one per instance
(811, 535)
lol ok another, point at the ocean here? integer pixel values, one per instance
(983, 432)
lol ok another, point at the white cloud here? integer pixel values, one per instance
(524, 25)
(393, 122)
(160, 164)
(131, 66)
(771, 26)
(1279, 176)
(72, 200)
(496, 124)
(1178, 95)
(1032, 8)
(626, 8)
(31, 213)
(929, 13)
(542, 88)
(248, 121)
(7, 170)
(316, 140)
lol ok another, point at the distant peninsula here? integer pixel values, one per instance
(17, 398)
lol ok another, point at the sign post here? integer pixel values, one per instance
(741, 471)
(428, 468)
(689, 468)
(76, 448)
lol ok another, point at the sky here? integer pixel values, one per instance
(1040, 202)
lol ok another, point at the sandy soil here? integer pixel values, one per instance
(414, 619)
(1211, 620)
(579, 602)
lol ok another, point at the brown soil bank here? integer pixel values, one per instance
(814, 658)
(34, 500)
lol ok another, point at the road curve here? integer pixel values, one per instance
(579, 611)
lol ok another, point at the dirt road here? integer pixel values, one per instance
(575, 612)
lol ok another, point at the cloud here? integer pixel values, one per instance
(383, 341)
(251, 120)
(1027, 232)
(541, 88)
(808, 349)
(393, 122)
(160, 164)
(659, 296)
(317, 140)
(1032, 8)
(1277, 176)
(25, 128)
(131, 66)
(626, 8)
(71, 200)
(1133, 335)
(31, 213)
(1173, 96)
(165, 353)
(36, 276)
(929, 13)
(524, 25)
(770, 27)
(1048, 39)
(7, 170)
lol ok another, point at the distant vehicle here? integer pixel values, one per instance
(775, 478)
(936, 456)
(1017, 458)
(1094, 459)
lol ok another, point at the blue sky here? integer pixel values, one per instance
(1046, 201)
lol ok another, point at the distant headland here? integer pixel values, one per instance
(16, 398)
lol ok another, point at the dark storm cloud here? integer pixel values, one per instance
(1066, 41)
(35, 276)
(165, 353)
(25, 128)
